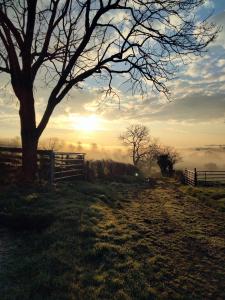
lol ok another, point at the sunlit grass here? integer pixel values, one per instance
(108, 241)
(212, 196)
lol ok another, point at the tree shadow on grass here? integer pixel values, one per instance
(48, 232)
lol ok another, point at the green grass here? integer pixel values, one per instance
(104, 241)
(55, 251)
(211, 196)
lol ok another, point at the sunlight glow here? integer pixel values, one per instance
(88, 123)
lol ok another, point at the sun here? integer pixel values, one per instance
(87, 123)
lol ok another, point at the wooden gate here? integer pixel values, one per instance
(52, 166)
(67, 165)
(190, 177)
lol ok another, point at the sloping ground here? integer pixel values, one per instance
(119, 241)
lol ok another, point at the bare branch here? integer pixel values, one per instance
(137, 139)
(64, 42)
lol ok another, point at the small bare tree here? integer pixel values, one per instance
(53, 144)
(64, 42)
(150, 156)
(136, 138)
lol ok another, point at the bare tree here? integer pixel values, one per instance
(136, 138)
(64, 42)
(53, 144)
(149, 158)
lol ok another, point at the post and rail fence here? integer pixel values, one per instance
(52, 166)
(195, 177)
(57, 166)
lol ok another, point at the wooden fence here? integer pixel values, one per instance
(211, 177)
(52, 166)
(190, 177)
(194, 177)
(67, 165)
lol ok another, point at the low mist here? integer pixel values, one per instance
(210, 159)
(204, 158)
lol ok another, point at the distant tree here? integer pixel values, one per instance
(166, 158)
(94, 147)
(53, 144)
(15, 142)
(211, 166)
(64, 42)
(79, 147)
(136, 138)
(149, 158)
(71, 148)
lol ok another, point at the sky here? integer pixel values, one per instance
(194, 116)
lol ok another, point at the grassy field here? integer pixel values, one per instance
(211, 196)
(112, 241)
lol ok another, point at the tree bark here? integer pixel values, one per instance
(29, 136)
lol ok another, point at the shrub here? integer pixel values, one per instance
(109, 169)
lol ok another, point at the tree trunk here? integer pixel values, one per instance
(29, 156)
(29, 136)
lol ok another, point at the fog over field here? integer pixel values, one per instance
(207, 158)
(203, 158)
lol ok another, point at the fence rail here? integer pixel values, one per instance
(68, 165)
(52, 166)
(211, 176)
(195, 177)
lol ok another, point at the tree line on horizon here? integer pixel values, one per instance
(93, 150)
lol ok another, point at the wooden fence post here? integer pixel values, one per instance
(196, 178)
(52, 167)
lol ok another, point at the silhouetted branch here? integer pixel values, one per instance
(71, 40)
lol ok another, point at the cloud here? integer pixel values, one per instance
(209, 4)
(221, 63)
(198, 95)
(220, 21)
(194, 108)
